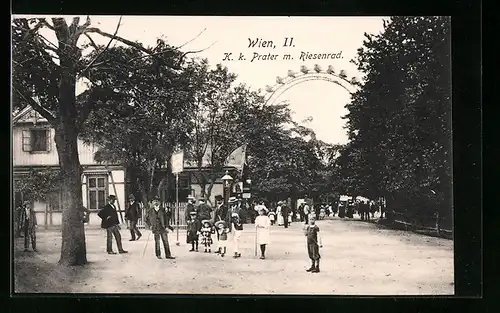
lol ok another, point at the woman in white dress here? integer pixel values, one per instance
(262, 227)
(281, 221)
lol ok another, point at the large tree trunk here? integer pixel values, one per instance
(73, 248)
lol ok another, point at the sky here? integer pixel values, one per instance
(321, 100)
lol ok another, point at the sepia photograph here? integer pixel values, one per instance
(232, 155)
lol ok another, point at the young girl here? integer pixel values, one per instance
(222, 231)
(237, 226)
(311, 231)
(193, 231)
(262, 226)
(206, 235)
(322, 214)
(272, 217)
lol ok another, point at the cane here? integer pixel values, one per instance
(256, 234)
(147, 240)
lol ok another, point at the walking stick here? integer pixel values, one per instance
(147, 240)
(255, 248)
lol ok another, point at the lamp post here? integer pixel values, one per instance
(226, 180)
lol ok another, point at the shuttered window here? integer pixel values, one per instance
(37, 140)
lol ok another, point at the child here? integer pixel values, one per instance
(311, 231)
(206, 235)
(193, 231)
(322, 214)
(272, 217)
(237, 230)
(222, 231)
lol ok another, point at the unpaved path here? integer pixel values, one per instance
(358, 258)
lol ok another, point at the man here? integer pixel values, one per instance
(29, 224)
(220, 213)
(285, 211)
(132, 214)
(189, 208)
(110, 222)
(204, 210)
(157, 220)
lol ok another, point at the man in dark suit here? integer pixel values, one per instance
(204, 210)
(285, 211)
(189, 208)
(157, 220)
(110, 222)
(220, 213)
(132, 214)
(29, 224)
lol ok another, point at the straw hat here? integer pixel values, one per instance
(217, 224)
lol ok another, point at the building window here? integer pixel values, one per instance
(97, 187)
(36, 140)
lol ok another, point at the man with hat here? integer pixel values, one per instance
(132, 214)
(157, 220)
(29, 224)
(220, 213)
(110, 222)
(189, 208)
(204, 210)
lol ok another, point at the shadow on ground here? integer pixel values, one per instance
(35, 272)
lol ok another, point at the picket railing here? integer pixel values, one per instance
(173, 218)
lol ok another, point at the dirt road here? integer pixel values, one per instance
(358, 258)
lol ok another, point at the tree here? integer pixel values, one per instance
(399, 121)
(142, 130)
(45, 76)
(226, 117)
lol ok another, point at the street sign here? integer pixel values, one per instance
(177, 162)
(246, 195)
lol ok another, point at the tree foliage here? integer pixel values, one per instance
(399, 121)
(141, 128)
(38, 185)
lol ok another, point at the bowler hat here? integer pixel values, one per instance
(206, 221)
(131, 197)
(111, 197)
(218, 198)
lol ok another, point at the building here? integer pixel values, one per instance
(33, 148)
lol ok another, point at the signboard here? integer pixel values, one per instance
(246, 195)
(177, 161)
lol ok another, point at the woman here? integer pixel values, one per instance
(262, 226)
(281, 221)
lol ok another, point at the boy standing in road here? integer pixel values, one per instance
(311, 231)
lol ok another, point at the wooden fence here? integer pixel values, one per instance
(433, 224)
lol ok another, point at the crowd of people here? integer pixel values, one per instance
(208, 227)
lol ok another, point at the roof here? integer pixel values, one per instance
(28, 114)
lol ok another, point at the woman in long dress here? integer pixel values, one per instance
(281, 221)
(263, 226)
